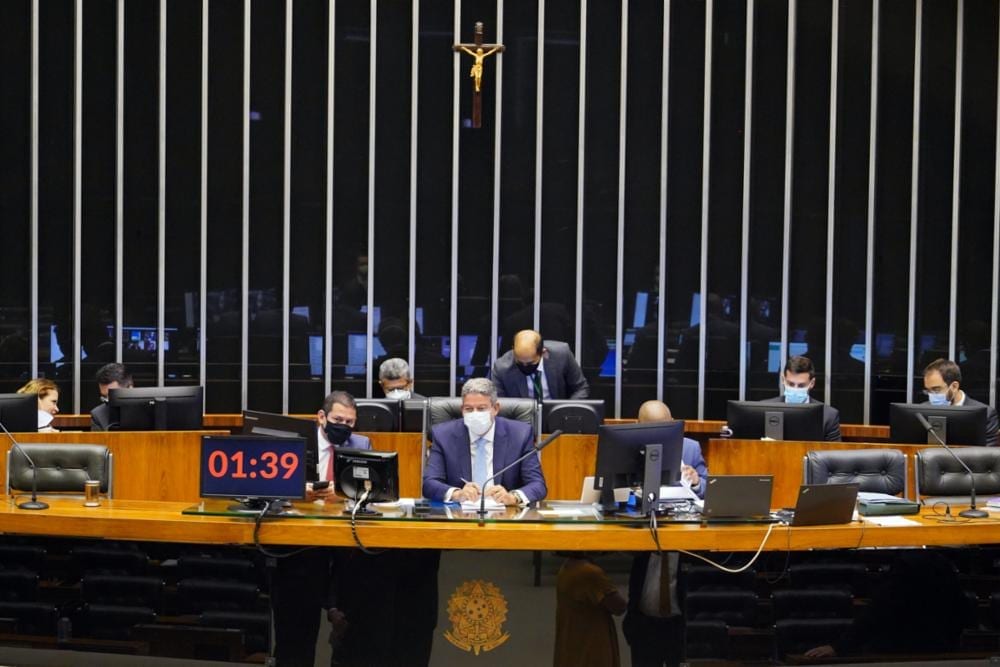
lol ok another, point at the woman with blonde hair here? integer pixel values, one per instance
(48, 400)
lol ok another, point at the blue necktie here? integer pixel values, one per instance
(479, 475)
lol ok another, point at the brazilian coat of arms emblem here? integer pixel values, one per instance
(477, 611)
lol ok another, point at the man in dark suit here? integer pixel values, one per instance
(799, 378)
(942, 384)
(539, 369)
(653, 624)
(110, 376)
(467, 452)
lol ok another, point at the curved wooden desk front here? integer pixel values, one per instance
(163, 521)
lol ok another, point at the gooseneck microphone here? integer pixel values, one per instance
(534, 450)
(972, 512)
(34, 503)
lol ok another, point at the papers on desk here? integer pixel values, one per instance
(871, 496)
(491, 505)
(568, 511)
(682, 492)
(889, 521)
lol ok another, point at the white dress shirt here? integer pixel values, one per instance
(323, 455)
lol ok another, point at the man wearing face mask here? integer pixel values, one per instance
(799, 378)
(942, 384)
(395, 379)
(110, 376)
(300, 583)
(539, 369)
(467, 452)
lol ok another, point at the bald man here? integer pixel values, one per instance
(653, 628)
(539, 369)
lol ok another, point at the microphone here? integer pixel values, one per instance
(972, 512)
(534, 450)
(34, 503)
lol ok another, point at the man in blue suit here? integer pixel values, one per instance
(653, 625)
(467, 452)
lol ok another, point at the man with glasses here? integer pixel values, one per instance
(799, 378)
(943, 386)
(467, 452)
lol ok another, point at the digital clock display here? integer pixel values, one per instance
(253, 467)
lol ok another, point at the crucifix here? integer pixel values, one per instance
(479, 52)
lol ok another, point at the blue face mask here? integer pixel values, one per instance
(939, 399)
(796, 395)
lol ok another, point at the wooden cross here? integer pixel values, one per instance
(479, 52)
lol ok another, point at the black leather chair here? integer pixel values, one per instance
(876, 470)
(735, 608)
(807, 603)
(706, 640)
(940, 478)
(440, 410)
(61, 468)
(798, 635)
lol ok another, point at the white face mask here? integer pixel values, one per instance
(398, 394)
(478, 422)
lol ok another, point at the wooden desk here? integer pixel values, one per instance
(163, 521)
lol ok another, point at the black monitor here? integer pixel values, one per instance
(622, 456)
(157, 408)
(778, 421)
(255, 470)
(358, 470)
(414, 414)
(283, 426)
(377, 414)
(955, 424)
(572, 416)
(19, 412)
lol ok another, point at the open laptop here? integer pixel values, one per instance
(738, 498)
(825, 504)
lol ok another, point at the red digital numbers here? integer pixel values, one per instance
(271, 465)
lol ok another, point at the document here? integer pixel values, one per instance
(491, 505)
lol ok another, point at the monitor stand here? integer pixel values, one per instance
(774, 425)
(256, 505)
(652, 466)
(363, 511)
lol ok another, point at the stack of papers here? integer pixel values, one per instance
(491, 505)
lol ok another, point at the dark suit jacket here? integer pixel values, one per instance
(102, 419)
(451, 459)
(831, 418)
(562, 373)
(992, 423)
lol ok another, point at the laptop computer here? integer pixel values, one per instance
(738, 498)
(825, 504)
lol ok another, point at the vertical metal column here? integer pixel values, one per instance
(622, 136)
(372, 80)
(245, 291)
(497, 155)
(33, 279)
(453, 296)
(956, 181)
(786, 259)
(203, 248)
(661, 305)
(161, 196)
(747, 164)
(581, 139)
(706, 145)
(414, 115)
(286, 205)
(831, 197)
(120, 176)
(328, 276)
(994, 339)
(870, 235)
(914, 198)
(77, 191)
(536, 315)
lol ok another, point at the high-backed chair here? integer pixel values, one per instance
(940, 478)
(60, 468)
(876, 470)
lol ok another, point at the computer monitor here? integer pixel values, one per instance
(357, 353)
(622, 455)
(583, 415)
(254, 470)
(19, 412)
(158, 408)
(358, 470)
(778, 421)
(955, 424)
(414, 414)
(282, 426)
(377, 414)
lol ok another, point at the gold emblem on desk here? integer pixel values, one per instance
(477, 611)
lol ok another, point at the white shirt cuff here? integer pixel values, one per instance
(522, 499)
(449, 493)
